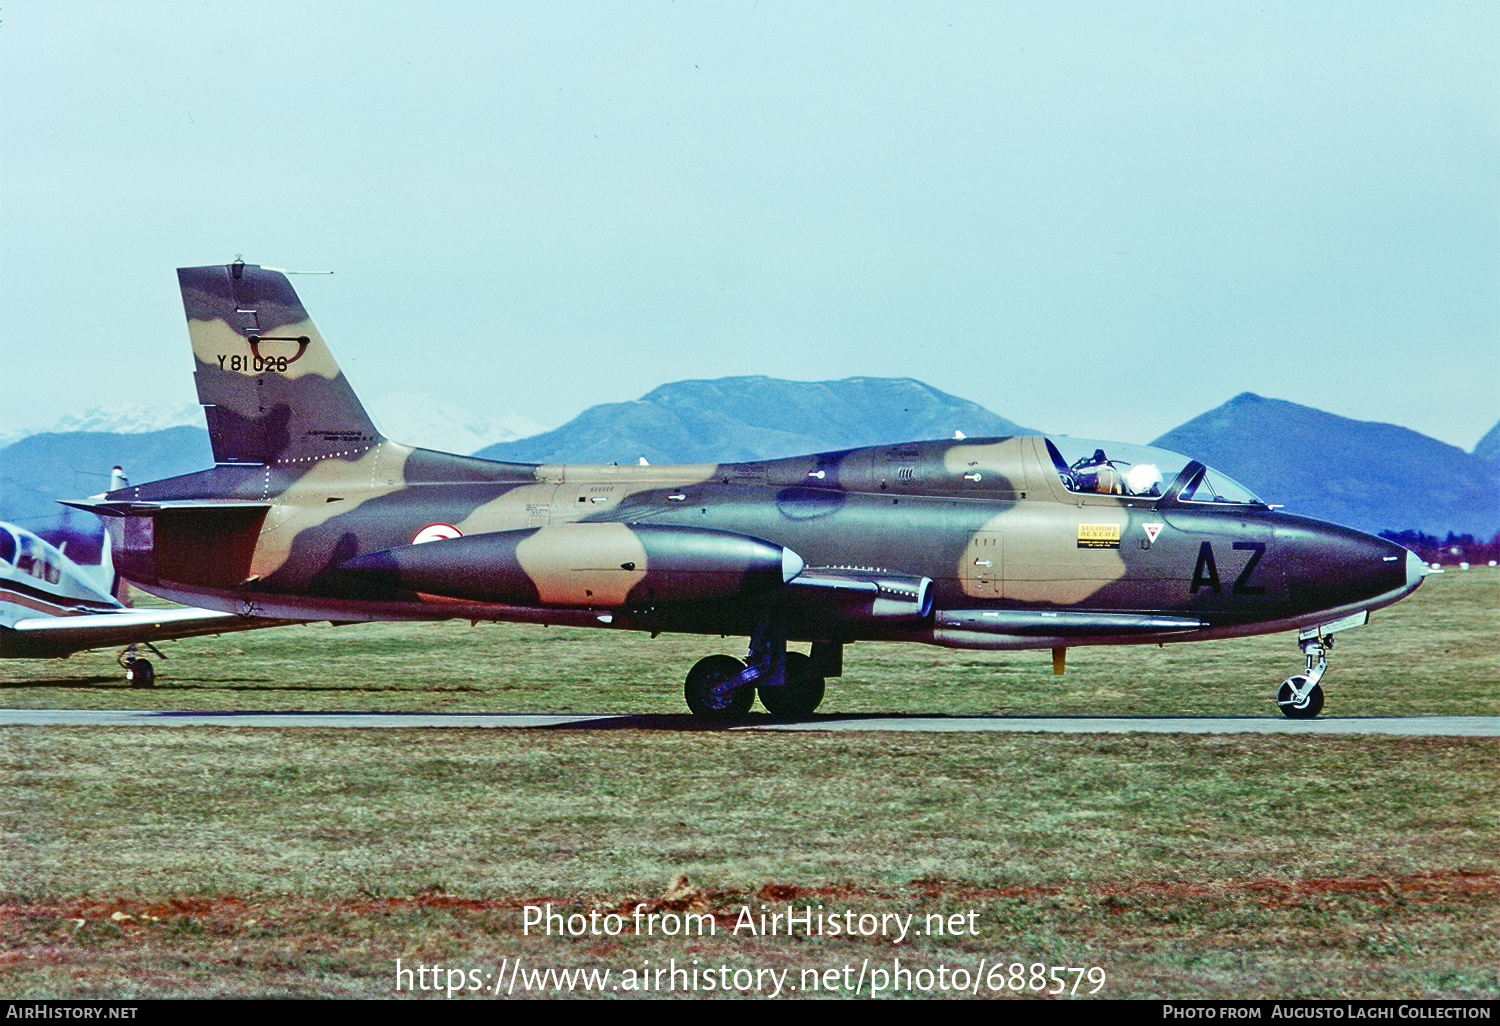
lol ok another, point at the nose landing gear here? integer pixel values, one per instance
(1300, 696)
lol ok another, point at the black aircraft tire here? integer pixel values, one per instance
(801, 694)
(706, 674)
(140, 673)
(1313, 706)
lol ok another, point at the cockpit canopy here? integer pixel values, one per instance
(1091, 467)
(28, 554)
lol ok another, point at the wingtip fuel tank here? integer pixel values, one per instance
(580, 566)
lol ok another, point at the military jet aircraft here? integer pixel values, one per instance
(998, 543)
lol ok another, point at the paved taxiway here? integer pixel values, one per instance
(1404, 726)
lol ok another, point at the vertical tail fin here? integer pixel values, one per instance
(109, 578)
(270, 387)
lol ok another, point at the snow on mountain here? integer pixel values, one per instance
(410, 417)
(129, 419)
(426, 421)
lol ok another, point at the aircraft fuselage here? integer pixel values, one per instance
(987, 523)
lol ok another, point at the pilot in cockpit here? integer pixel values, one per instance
(1096, 474)
(1099, 475)
(1143, 479)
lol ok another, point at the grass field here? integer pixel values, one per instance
(149, 862)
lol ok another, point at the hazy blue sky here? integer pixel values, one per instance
(1098, 218)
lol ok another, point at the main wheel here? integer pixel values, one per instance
(801, 693)
(140, 673)
(705, 691)
(1311, 704)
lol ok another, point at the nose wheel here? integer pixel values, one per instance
(1300, 697)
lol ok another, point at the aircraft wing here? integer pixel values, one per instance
(43, 636)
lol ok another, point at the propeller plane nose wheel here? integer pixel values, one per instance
(713, 692)
(140, 673)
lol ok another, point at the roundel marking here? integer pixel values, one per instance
(436, 532)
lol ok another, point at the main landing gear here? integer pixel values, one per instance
(139, 673)
(720, 688)
(1300, 697)
(714, 691)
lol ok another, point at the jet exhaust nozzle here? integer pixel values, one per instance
(853, 596)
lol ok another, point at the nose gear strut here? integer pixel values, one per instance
(1301, 696)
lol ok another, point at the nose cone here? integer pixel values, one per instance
(791, 565)
(1329, 566)
(1416, 570)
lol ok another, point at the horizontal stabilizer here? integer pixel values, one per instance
(126, 508)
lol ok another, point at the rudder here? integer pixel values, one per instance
(269, 385)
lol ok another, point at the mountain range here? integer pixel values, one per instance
(1489, 446)
(1368, 475)
(755, 418)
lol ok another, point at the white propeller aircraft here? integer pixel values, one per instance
(51, 607)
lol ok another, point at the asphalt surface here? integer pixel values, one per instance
(1402, 726)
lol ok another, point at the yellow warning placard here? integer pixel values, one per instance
(1098, 536)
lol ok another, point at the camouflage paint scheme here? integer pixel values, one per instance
(311, 514)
